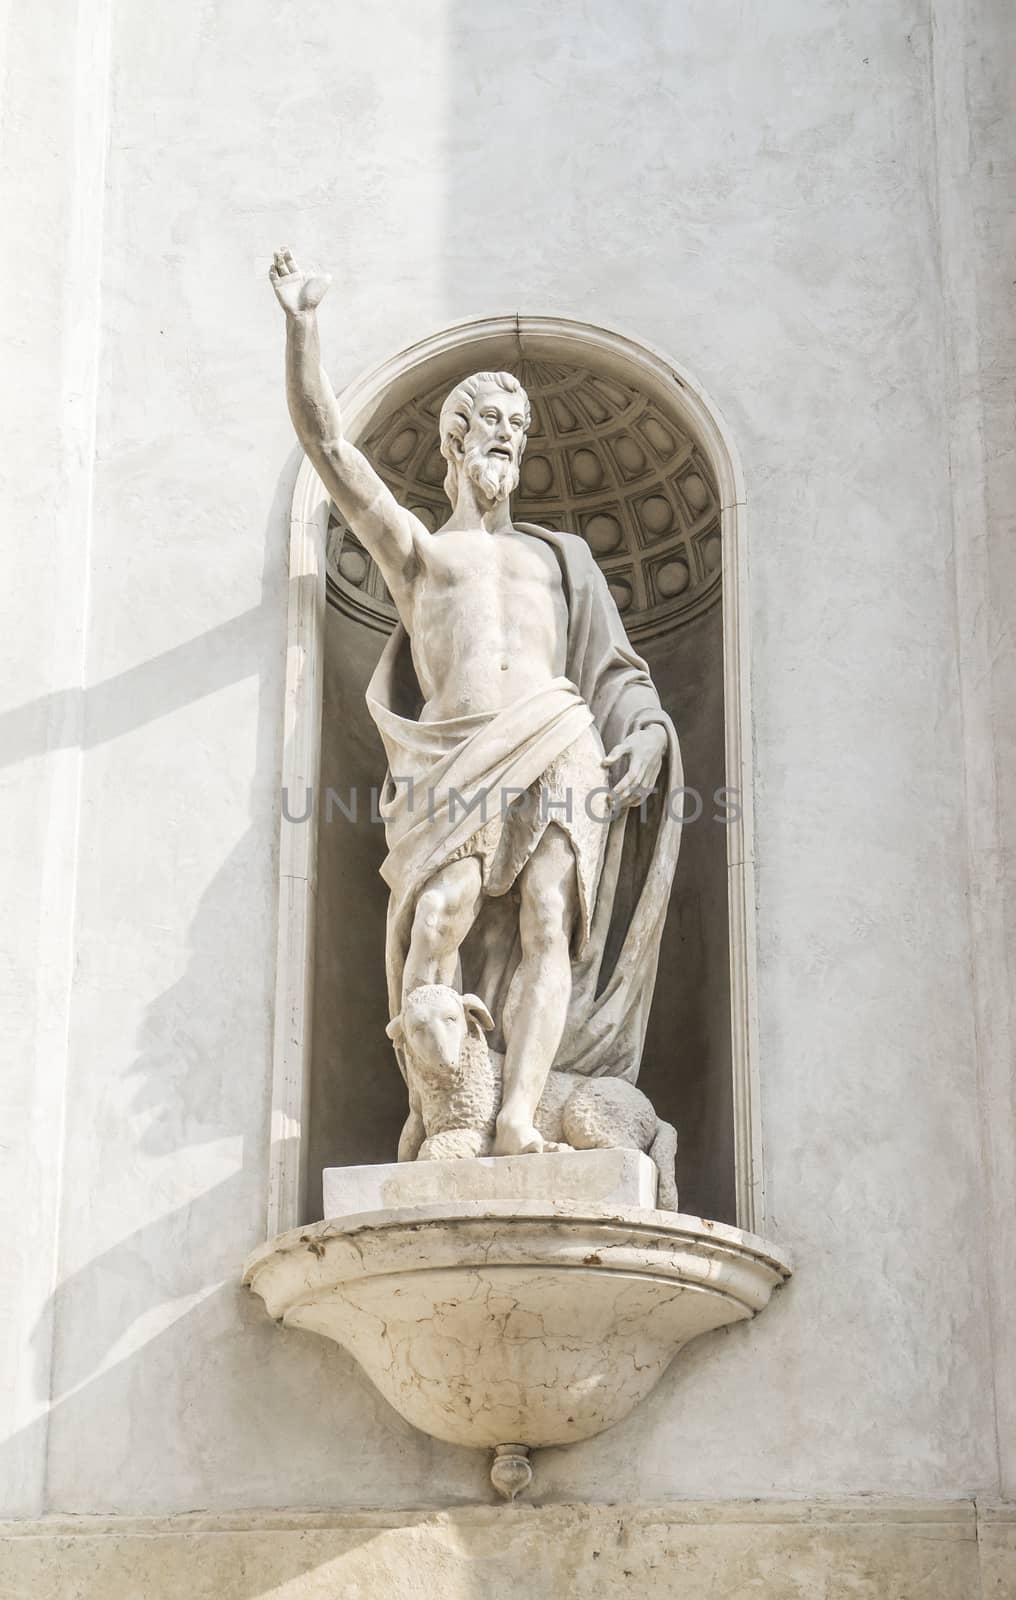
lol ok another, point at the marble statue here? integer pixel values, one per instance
(456, 1082)
(532, 845)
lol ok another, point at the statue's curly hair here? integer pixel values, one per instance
(457, 413)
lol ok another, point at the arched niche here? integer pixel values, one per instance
(627, 452)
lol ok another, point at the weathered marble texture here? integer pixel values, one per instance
(525, 1322)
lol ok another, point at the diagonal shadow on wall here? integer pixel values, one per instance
(170, 1387)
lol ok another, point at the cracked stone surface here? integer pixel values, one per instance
(519, 1322)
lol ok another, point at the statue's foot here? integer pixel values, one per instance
(517, 1139)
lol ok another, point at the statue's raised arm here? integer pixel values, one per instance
(388, 530)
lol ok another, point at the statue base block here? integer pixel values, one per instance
(600, 1178)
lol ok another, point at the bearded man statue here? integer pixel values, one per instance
(531, 841)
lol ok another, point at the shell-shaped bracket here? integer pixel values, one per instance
(526, 1322)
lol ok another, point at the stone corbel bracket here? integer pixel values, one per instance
(520, 1325)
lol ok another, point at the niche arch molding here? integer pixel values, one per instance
(484, 343)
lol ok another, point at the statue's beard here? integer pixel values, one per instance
(496, 477)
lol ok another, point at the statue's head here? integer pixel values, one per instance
(483, 433)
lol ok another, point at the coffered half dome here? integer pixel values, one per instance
(603, 461)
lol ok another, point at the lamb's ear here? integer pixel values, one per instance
(477, 1012)
(394, 1030)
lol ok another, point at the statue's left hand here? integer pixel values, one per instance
(644, 750)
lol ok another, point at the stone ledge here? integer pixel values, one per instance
(773, 1550)
(963, 1514)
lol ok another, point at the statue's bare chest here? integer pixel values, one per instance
(479, 564)
(489, 620)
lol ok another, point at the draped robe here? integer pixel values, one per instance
(435, 769)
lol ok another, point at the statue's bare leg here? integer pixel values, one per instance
(445, 912)
(537, 1003)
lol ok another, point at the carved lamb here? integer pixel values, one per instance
(454, 1084)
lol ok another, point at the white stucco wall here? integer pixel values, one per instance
(757, 190)
(977, 200)
(52, 137)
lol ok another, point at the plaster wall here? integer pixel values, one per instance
(977, 203)
(53, 116)
(756, 190)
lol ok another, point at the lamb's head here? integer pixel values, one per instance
(433, 1025)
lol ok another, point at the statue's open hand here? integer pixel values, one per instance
(644, 751)
(297, 291)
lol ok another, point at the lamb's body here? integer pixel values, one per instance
(455, 1094)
